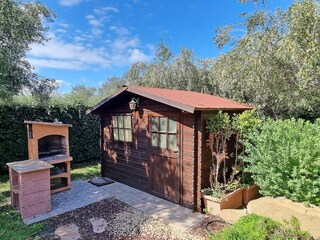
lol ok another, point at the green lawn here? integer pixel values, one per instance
(11, 225)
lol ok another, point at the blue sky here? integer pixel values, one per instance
(94, 39)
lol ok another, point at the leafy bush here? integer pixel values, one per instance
(284, 159)
(84, 137)
(254, 227)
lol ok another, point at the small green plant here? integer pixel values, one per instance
(218, 191)
(255, 227)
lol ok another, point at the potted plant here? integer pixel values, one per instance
(218, 199)
(243, 124)
(225, 190)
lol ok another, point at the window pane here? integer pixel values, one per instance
(114, 121)
(163, 124)
(115, 134)
(128, 135)
(127, 121)
(172, 142)
(163, 141)
(154, 139)
(172, 126)
(154, 124)
(121, 135)
(120, 121)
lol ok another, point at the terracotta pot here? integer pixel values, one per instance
(250, 193)
(231, 201)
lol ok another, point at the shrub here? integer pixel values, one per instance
(254, 227)
(84, 135)
(284, 159)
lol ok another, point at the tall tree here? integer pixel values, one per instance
(184, 71)
(111, 86)
(21, 24)
(276, 64)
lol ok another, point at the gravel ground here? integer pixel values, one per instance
(125, 222)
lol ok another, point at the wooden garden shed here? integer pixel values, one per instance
(155, 140)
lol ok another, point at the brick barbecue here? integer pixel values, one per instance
(49, 142)
(47, 170)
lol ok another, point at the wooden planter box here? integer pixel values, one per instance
(231, 201)
(250, 193)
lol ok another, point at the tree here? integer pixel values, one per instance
(81, 95)
(42, 89)
(184, 71)
(110, 86)
(276, 64)
(21, 24)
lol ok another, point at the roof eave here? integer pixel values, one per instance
(97, 106)
(224, 109)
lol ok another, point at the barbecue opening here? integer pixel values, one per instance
(52, 145)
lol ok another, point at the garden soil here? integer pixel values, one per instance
(283, 209)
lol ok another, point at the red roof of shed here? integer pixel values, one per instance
(185, 100)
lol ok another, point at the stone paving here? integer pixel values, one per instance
(83, 193)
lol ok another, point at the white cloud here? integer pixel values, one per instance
(120, 30)
(62, 83)
(60, 30)
(86, 51)
(104, 10)
(137, 55)
(69, 3)
(125, 43)
(62, 55)
(57, 64)
(63, 86)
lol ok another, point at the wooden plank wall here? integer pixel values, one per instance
(187, 159)
(129, 163)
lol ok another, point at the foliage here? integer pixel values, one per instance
(183, 72)
(254, 227)
(275, 64)
(284, 159)
(112, 85)
(21, 24)
(245, 122)
(84, 135)
(220, 132)
(42, 89)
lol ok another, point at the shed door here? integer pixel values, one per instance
(164, 157)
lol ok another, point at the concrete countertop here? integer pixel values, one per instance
(29, 166)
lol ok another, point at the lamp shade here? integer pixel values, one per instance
(132, 104)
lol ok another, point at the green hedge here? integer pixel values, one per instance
(84, 136)
(284, 159)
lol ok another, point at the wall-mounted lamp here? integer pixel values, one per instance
(134, 103)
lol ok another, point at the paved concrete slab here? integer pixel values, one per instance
(83, 193)
(68, 232)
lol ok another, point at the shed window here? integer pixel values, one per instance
(164, 132)
(122, 128)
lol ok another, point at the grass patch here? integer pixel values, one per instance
(11, 225)
(4, 190)
(85, 171)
